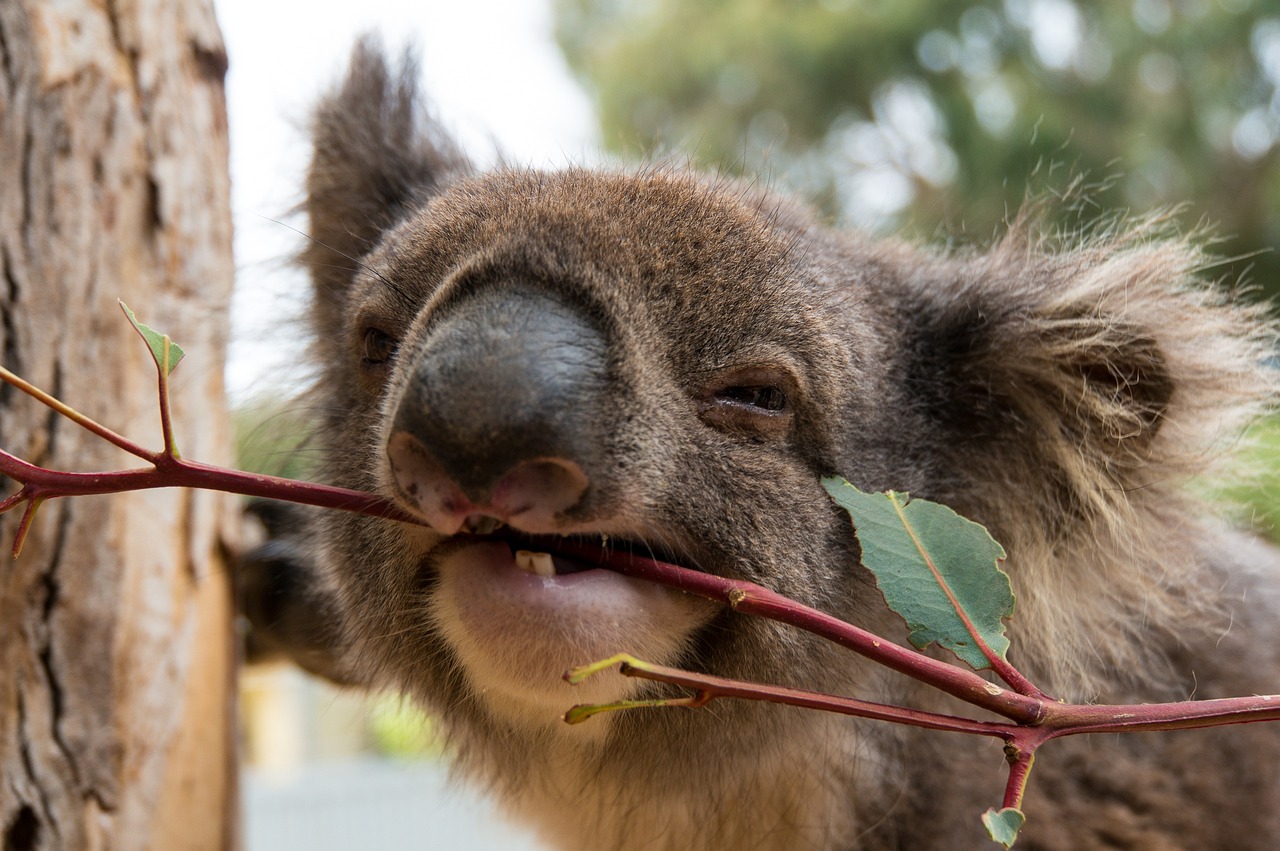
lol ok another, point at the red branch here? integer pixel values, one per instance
(168, 470)
(1050, 718)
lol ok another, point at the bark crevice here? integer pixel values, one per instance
(6, 62)
(210, 64)
(53, 422)
(57, 694)
(9, 328)
(23, 831)
(29, 767)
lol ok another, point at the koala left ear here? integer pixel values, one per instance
(1090, 358)
(1068, 395)
(1101, 369)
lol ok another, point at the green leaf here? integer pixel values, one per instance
(1003, 825)
(164, 351)
(935, 568)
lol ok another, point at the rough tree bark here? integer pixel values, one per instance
(116, 658)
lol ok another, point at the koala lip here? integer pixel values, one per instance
(571, 553)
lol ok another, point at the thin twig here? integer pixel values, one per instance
(710, 687)
(78, 418)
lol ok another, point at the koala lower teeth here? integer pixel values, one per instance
(537, 563)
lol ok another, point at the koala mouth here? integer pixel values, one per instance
(520, 609)
(562, 555)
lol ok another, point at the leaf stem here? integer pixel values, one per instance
(1021, 759)
(166, 419)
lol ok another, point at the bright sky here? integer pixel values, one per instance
(490, 66)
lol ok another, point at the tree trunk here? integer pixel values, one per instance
(116, 655)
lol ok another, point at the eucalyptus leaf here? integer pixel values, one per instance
(164, 351)
(1003, 825)
(936, 569)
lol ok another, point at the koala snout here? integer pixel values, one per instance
(531, 496)
(503, 415)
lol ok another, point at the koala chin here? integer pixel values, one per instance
(658, 362)
(516, 632)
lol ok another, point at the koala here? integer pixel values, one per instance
(667, 363)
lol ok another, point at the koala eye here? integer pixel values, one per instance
(379, 347)
(764, 397)
(754, 400)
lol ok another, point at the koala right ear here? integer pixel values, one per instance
(376, 155)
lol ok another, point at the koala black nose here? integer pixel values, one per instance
(502, 413)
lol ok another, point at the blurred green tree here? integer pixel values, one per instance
(942, 115)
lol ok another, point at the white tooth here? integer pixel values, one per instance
(538, 563)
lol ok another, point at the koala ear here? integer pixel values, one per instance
(1098, 371)
(376, 156)
(1071, 394)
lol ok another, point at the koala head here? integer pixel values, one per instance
(665, 363)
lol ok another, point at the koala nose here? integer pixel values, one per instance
(502, 412)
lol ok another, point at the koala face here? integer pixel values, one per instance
(664, 374)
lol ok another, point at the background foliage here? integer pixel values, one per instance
(940, 115)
